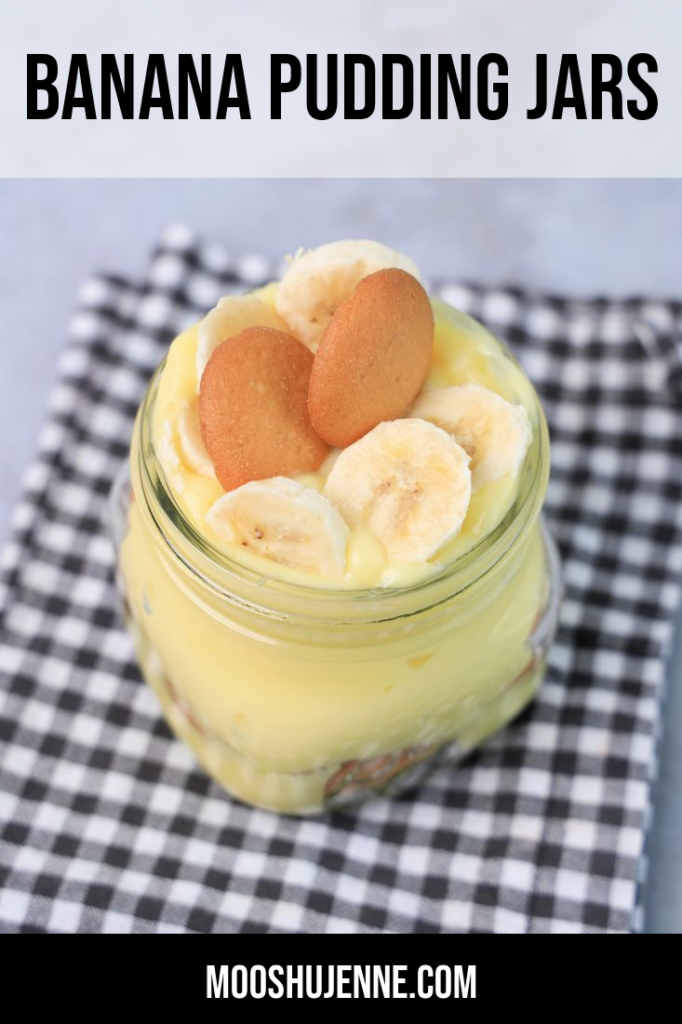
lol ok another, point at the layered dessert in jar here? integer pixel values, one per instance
(330, 549)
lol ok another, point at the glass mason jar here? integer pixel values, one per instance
(302, 699)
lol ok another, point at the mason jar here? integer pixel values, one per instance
(301, 699)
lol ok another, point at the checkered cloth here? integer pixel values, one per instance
(107, 823)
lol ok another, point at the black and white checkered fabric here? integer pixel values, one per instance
(106, 822)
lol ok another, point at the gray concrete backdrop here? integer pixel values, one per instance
(573, 236)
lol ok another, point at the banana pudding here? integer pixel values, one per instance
(333, 565)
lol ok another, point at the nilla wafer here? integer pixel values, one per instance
(253, 408)
(373, 358)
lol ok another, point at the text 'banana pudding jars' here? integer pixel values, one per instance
(332, 559)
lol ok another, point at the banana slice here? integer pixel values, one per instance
(192, 449)
(495, 434)
(409, 482)
(232, 314)
(285, 521)
(169, 458)
(318, 281)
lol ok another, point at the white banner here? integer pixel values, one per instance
(438, 88)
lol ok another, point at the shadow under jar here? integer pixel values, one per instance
(302, 699)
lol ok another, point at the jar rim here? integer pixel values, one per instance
(236, 583)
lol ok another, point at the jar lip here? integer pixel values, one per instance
(237, 583)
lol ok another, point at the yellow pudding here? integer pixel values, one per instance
(299, 692)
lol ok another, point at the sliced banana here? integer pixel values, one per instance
(409, 482)
(192, 449)
(232, 314)
(169, 458)
(285, 521)
(318, 281)
(167, 450)
(495, 433)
